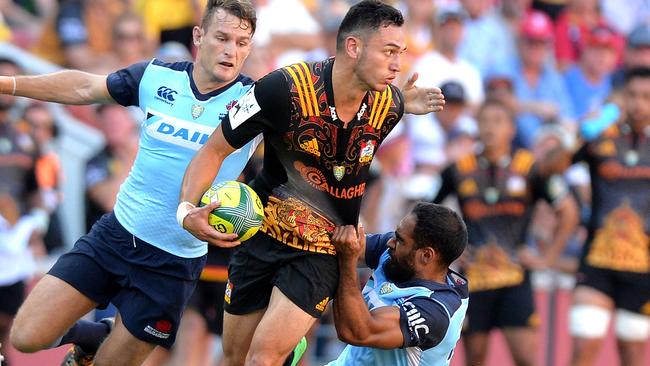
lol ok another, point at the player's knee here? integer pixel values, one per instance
(259, 359)
(231, 359)
(26, 341)
(632, 327)
(589, 321)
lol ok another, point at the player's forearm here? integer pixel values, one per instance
(199, 175)
(351, 315)
(568, 219)
(66, 87)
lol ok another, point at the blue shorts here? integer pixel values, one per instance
(149, 286)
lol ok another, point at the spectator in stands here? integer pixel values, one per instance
(419, 38)
(170, 20)
(80, 34)
(589, 81)
(106, 171)
(573, 27)
(129, 42)
(16, 160)
(637, 53)
(485, 42)
(47, 170)
(541, 96)
(20, 241)
(439, 140)
(625, 18)
(26, 18)
(444, 64)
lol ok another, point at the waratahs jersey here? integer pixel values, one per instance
(431, 314)
(178, 121)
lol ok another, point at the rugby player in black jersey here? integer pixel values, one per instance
(497, 190)
(322, 124)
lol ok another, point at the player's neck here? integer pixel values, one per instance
(348, 89)
(494, 155)
(435, 275)
(205, 82)
(640, 127)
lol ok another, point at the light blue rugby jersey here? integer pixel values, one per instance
(431, 315)
(178, 121)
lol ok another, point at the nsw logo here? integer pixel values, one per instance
(167, 95)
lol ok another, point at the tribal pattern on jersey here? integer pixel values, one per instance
(326, 163)
(619, 231)
(497, 202)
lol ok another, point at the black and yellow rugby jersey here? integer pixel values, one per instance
(497, 202)
(619, 227)
(315, 170)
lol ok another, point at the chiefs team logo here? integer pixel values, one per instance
(367, 151)
(228, 293)
(339, 172)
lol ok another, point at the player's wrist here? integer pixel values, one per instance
(182, 211)
(8, 85)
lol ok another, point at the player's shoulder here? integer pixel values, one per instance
(175, 66)
(522, 161)
(466, 164)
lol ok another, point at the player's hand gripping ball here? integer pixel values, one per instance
(241, 211)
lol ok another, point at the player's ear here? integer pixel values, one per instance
(428, 255)
(197, 35)
(353, 46)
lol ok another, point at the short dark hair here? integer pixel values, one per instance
(496, 102)
(242, 9)
(440, 228)
(367, 15)
(637, 72)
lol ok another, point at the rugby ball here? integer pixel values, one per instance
(241, 211)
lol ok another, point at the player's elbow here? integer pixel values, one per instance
(356, 336)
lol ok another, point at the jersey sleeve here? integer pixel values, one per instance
(265, 108)
(376, 245)
(552, 189)
(447, 185)
(423, 322)
(124, 84)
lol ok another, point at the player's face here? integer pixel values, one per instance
(495, 127)
(401, 265)
(223, 45)
(638, 100)
(379, 57)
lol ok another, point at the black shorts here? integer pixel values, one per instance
(628, 290)
(500, 308)
(11, 297)
(308, 279)
(207, 300)
(149, 286)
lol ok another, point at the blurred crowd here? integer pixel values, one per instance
(553, 63)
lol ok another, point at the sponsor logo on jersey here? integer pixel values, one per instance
(161, 329)
(197, 110)
(176, 131)
(367, 151)
(339, 172)
(323, 304)
(244, 109)
(333, 113)
(415, 320)
(362, 111)
(167, 95)
(311, 146)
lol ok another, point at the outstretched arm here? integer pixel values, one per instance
(418, 100)
(66, 87)
(355, 324)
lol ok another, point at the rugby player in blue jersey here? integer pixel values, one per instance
(137, 257)
(411, 310)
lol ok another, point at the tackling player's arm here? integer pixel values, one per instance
(260, 110)
(386, 327)
(419, 100)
